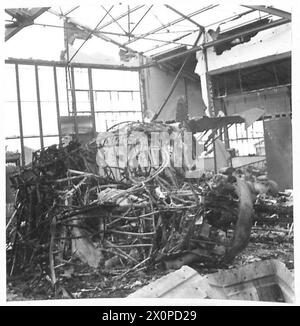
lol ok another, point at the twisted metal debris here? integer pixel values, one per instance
(119, 218)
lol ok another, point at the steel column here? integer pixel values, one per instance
(74, 108)
(38, 100)
(20, 115)
(57, 104)
(92, 100)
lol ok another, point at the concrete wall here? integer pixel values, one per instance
(157, 85)
(273, 41)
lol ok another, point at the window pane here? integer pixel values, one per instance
(283, 71)
(11, 119)
(233, 82)
(62, 91)
(258, 77)
(218, 85)
(30, 119)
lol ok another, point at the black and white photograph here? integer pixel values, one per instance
(149, 151)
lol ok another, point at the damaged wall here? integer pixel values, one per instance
(274, 41)
(267, 46)
(157, 85)
(266, 43)
(273, 101)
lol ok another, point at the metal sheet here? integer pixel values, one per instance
(267, 280)
(182, 283)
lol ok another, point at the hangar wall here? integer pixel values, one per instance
(157, 86)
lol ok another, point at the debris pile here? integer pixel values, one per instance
(71, 203)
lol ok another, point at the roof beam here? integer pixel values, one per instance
(72, 64)
(90, 33)
(120, 17)
(71, 10)
(272, 11)
(170, 24)
(185, 17)
(105, 24)
(174, 41)
(96, 33)
(136, 25)
(115, 20)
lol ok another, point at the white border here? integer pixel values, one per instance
(160, 302)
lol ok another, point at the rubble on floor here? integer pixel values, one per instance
(74, 220)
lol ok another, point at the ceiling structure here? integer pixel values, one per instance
(160, 32)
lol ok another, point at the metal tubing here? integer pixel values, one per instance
(73, 64)
(170, 24)
(38, 100)
(74, 109)
(185, 17)
(57, 104)
(92, 100)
